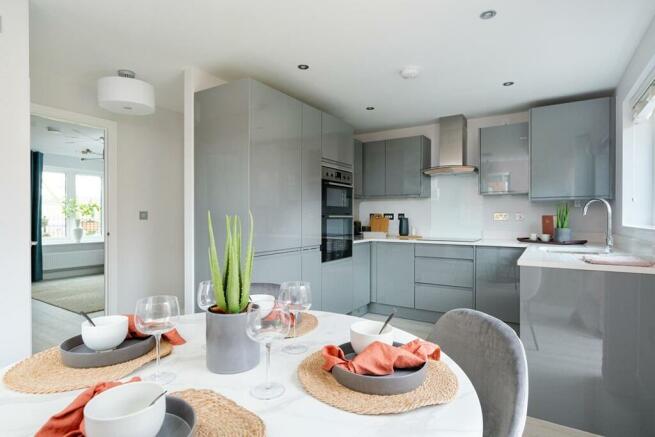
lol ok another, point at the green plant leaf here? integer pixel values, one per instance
(248, 264)
(232, 289)
(217, 280)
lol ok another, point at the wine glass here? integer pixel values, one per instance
(156, 315)
(297, 296)
(267, 328)
(205, 297)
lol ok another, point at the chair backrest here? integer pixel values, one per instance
(265, 288)
(492, 356)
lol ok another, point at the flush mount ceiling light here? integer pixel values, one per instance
(303, 67)
(410, 72)
(370, 108)
(488, 15)
(123, 94)
(509, 83)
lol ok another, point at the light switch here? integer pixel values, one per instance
(143, 215)
(519, 216)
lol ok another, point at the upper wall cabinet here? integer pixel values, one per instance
(572, 150)
(394, 168)
(504, 159)
(337, 137)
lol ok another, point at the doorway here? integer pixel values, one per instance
(70, 223)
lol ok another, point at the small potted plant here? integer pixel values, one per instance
(229, 349)
(88, 214)
(71, 209)
(562, 230)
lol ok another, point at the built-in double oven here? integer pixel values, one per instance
(337, 214)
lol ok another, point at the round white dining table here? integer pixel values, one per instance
(295, 413)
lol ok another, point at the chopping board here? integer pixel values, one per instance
(379, 223)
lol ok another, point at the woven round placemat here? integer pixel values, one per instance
(440, 387)
(308, 322)
(218, 416)
(44, 372)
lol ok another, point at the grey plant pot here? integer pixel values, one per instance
(229, 349)
(563, 234)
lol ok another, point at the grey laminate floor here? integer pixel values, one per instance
(51, 325)
(419, 329)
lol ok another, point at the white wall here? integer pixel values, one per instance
(15, 307)
(150, 177)
(638, 70)
(457, 209)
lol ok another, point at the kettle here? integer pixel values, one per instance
(403, 226)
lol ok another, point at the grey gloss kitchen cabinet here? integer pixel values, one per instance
(358, 169)
(275, 168)
(497, 282)
(406, 158)
(572, 150)
(505, 159)
(394, 274)
(311, 272)
(337, 285)
(374, 154)
(361, 274)
(337, 147)
(278, 267)
(311, 176)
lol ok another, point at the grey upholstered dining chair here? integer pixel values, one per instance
(492, 356)
(264, 288)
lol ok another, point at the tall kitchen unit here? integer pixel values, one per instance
(258, 149)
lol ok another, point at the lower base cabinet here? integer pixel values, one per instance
(337, 285)
(393, 265)
(497, 281)
(442, 299)
(278, 267)
(361, 275)
(311, 272)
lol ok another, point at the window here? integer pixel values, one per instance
(53, 194)
(71, 199)
(639, 163)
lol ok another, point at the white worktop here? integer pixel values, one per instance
(542, 256)
(506, 242)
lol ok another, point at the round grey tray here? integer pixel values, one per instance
(401, 381)
(180, 419)
(75, 354)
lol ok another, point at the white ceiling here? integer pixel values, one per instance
(65, 138)
(552, 49)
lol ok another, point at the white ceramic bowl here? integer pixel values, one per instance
(544, 237)
(109, 332)
(266, 302)
(365, 332)
(124, 411)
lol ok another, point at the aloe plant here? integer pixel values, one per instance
(562, 216)
(232, 284)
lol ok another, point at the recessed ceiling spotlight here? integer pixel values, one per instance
(488, 15)
(370, 108)
(410, 72)
(53, 130)
(509, 83)
(303, 67)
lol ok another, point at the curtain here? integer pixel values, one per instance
(37, 248)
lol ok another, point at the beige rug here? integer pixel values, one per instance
(84, 293)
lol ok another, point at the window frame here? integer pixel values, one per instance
(69, 175)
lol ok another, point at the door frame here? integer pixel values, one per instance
(110, 190)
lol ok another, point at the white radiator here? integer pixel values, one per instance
(74, 259)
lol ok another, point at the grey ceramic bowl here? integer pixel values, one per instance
(75, 354)
(180, 420)
(401, 381)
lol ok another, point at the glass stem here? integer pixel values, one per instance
(295, 322)
(268, 365)
(157, 341)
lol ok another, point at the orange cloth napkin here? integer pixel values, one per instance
(70, 421)
(172, 336)
(380, 358)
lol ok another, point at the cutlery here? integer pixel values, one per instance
(86, 316)
(386, 322)
(157, 398)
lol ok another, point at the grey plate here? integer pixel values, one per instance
(401, 381)
(74, 353)
(180, 419)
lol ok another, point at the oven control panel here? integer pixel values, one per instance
(336, 175)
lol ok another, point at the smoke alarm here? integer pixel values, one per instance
(409, 72)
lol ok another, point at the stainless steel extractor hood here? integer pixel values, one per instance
(452, 148)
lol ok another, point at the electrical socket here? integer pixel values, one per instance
(501, 216)
(519, 216)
